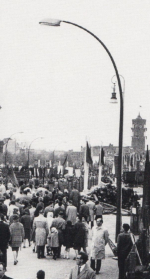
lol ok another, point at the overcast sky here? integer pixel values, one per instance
(55, 82)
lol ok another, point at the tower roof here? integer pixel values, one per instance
(139, 116)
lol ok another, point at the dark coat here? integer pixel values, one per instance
(75, 197)
(84, 210)
(4, 235)
(79, 235)
(124, 245)
(68, 236)
(6, 277)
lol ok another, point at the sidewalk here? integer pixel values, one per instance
(28, 264)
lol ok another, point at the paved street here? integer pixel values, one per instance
(28, 264)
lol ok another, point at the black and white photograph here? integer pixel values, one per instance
(74, 139)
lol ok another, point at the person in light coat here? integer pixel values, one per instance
(100, 237)
(71, 213)
(41, 231)
(91, 206)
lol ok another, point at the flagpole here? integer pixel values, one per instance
(86, 170)
(100, 168)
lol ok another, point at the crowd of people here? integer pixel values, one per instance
(31, 215)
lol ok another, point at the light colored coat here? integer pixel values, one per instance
(91, 206)
(41, 230)
(86, 273)
(71, 213)
(99, 239)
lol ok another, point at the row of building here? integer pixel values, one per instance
(133, 156)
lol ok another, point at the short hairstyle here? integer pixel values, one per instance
(126, 227)
(2, 216)
(15, 217)
(84, 257)
(61, 213)
(99, 218)
(12, 202)
(41, 211)
(40, 274)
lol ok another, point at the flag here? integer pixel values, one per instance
(12, 177)
(101, 157)
(146, 192)
(131, 161)
(65, 160)
(146, 185)
(88, 154)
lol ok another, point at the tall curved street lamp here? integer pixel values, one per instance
(30, 147)
(53, 22)
(7, 145)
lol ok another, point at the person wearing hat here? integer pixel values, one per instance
(124, 245)
(17, 236)
(60, 224)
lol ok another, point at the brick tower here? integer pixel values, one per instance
(138, 136)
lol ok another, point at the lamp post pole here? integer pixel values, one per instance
(119, 188)
(29, 149)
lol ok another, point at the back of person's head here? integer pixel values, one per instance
(33, 204)
(60, 203)
(40, 274)
(41, 211)
(12, 202)
(69, 223)
(15, 217)
(84, 257)
(1, 216)
(61, 214)
(126, 227)
(97, 202)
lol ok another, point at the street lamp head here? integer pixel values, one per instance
(113, 98)
(51, 22)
